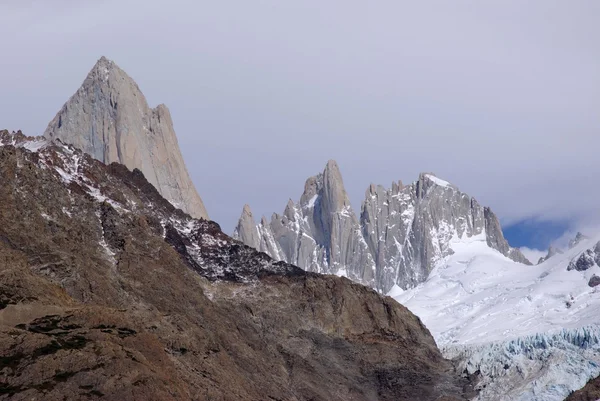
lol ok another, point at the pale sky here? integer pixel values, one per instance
(502, 98)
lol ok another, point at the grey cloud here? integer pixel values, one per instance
(501, 98)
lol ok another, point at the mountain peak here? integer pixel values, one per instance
(247, 210)
(332, 171)
(333, 187)
(104, 62)
(319, 234)
(246, 228)
(575, 241)
(106, 70)
(109, 118)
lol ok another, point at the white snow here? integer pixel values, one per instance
(478, 295)
(395, 291)
(532, 331)
(311, 202)
(438, 181)
(346, 211)
(35, 145)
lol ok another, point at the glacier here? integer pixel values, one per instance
(526, 333)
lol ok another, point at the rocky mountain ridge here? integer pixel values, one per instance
(107, 291)
(109, 118)
(402, 232)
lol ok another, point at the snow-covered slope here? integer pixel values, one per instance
(530, 332)
(478, 295)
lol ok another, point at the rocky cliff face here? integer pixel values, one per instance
(406, 230)
(591, 392)
(109, 119)
(320, 233)
(109, 292)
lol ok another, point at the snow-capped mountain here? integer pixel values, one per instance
(530, 332)
(410, 228)
(401, 234)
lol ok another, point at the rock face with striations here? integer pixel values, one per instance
(107, 292)
(406, 230)
(319, 234)
(108, 118)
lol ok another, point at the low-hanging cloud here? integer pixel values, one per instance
(501, 99)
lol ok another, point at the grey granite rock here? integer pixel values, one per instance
(402, 232)
(410, 228)
(246, 230)
(109, 118)
(586, 260)
(594, 281)
(321, 233)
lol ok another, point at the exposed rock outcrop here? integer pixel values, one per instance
(319, 234)
(586, 260)
(109, 292)
(551, 252)
(591, 392)
(109, 118)
(575, 241)
(406, 230)
(410, 228)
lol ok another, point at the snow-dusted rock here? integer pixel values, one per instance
(552, 250)
(410, 228)
(575, 241)
(109, 118)
(402, 232)
(586, 260)
(320, 233)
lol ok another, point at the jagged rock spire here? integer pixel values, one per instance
(552, 250)
(246, 230)
(319, 233)
(402, 233)
(575, 241)
(109, 118)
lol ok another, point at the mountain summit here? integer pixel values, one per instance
(320, 233)
(109, 118)
(402, 233)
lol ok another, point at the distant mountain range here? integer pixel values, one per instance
(401, 234)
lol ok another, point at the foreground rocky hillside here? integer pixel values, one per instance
(402, 233)
(109, 292)
(591, 392)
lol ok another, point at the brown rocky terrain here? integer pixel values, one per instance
(591, 392)
(109, 292)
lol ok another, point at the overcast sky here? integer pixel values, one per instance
(502, 98)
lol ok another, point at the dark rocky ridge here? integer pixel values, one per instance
(109, 292)
(591, 392)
